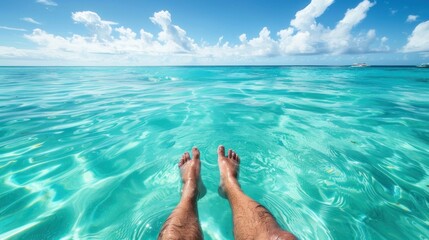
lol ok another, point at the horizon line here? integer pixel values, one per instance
(220, 65)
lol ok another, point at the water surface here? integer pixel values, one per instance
(332, 152)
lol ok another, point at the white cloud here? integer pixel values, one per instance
(172, 39)
(100, 28)
(301, 42)
(306, 36)
(12, 28)
(30, 20)
(12, 52)
(172, 36)
(219, 41)
(419, 39)
(383, 46)
(303, 36)
(128, 42)
(340, 40)
(305, 18)
(49, 41)
(243, 38)
(354, 16)
(47, 2)
(125, 33)
(263, 45)
(412, 18)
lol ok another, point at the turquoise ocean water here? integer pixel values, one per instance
(332, 152)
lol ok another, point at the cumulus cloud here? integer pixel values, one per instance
(121, 40)
(11, 52)
(47, 2)
(304, 35)
(47, 40)
(173, 37)
(243, 38)
(340, 40)
(263, 45)
(412, 18)
(100, 28)
(305, 18)
(418, 41)
(30, 20)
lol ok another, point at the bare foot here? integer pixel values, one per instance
(228, 167)
(183, 221)
(190, 172)
(251, 219)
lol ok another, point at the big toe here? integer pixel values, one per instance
(221, 151)
(195, 153)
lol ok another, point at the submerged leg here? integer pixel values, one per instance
(183, 222)
(251, 219)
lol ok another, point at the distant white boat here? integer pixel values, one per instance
(423, 65)
(359, 65)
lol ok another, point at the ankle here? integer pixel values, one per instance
(230, 185)
(189, 190)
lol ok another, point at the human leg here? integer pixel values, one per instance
(183, 222)
(251, 220)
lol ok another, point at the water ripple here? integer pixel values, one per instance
(333, 153)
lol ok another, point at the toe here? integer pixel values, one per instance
(221, 151)
(187, 156)
(182, 160)
(234, 155)
(229, 153)
(195, 153)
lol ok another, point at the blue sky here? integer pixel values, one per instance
(191, 32)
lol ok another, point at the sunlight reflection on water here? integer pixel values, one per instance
(333, 153)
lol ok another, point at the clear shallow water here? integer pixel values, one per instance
(333, 153)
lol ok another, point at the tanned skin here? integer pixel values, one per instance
(183, 222)
(251, 219)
